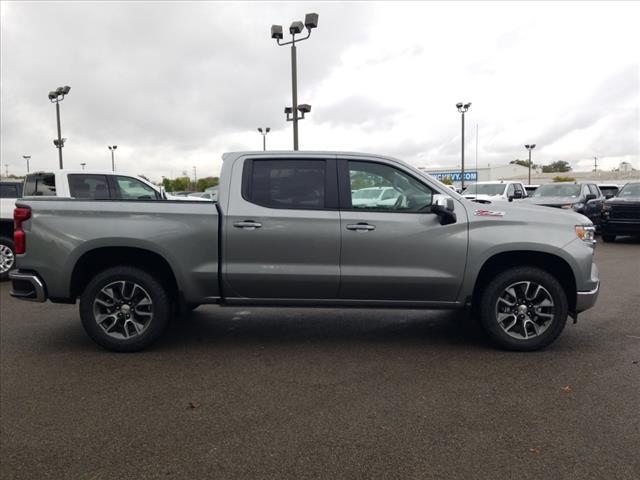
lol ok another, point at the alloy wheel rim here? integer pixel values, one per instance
(525, 310)
(7, 259)
(123, 310)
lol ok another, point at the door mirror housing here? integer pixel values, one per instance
(443, 208)
(590, 196)
(517, 194)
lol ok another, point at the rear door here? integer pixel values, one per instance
(282, 229)
(396, 251)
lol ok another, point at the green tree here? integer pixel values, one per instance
(560, 178)
(524, 163)
(557, 166)
(447, 181)
(206, 182)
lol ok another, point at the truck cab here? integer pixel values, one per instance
(495, 191)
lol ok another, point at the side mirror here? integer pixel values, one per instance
(518, 194)
(443, 207)
(510, 198)
(590, 196)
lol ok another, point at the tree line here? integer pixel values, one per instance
(186, 184)
(557, 166)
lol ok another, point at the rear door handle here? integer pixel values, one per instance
(247, 225)
(361, 227)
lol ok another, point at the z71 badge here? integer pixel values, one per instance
(488, 213)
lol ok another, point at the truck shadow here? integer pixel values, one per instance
(238, 326)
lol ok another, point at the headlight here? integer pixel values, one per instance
(578, 206)
(586, 233)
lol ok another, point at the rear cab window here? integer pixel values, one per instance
(40, 185)
(94, 187)
(9, 190)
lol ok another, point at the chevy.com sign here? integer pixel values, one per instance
(471, 176)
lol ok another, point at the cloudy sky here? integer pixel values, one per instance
(175, 85)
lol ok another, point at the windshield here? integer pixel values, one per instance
(551, 190)
(485, 189)
(366, 193)
(630, 190)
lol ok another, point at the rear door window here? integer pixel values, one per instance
(299, 184)
(8, 191)
(94, 187)
(40, 185)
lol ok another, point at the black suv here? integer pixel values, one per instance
(621, 214)
(585, 198)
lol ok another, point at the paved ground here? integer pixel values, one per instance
(325, 394)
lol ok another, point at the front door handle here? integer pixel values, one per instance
(247, 225)
(361, 227)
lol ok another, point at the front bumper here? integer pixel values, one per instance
(586, 300)
(27, 286)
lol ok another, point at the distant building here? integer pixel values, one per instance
(625, 167)
(481, 174)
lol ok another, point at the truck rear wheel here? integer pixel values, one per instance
(523, 309)
(7, 257)
(124, 309)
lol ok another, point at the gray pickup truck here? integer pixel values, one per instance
(285, 232)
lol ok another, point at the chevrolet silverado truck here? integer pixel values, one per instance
(286, 232)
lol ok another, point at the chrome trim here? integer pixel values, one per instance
(586, 300)
(34, 280)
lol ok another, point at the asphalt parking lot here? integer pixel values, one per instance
(330, 393)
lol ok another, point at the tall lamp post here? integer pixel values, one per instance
(83, 165)
(264, 137)
(530, 147)
(310, 22)
(462, 108)
(56, 96)
(27, 158)
(113, 161)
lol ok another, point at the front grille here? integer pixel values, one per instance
(625, 212)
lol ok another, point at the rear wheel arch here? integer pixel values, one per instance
(97, 260)
(553, 264)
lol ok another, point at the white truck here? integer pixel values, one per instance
(494, 191)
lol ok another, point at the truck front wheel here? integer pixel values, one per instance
(7, 257)
(124, 309)
(523, 309)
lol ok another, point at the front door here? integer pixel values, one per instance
(393, 247)
(282, 231)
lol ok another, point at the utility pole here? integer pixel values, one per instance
(595, 164)
(56, 96)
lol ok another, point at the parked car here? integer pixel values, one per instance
(374, 196)
(530, 189)
(10, 191)
(286, 232)
(583, 198)
(609, 190)
(495, 190)
(621, 214)
(203, 196)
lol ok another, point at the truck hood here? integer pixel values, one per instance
(527, 214)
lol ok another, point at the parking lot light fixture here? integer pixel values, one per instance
(296, 28)
(56, 96)
(264, 137)
(27, 158)
(82, 165)
(530, 147)
(462, 108)
(113, 162)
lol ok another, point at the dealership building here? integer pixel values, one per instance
(481, 174)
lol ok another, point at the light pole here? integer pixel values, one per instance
(264, 137)
(530, 147)
(27, 158)
(195, 179)
(83, 165)
(310, 22)
(6, 170)
(462, 108)
(56, 96)
(113, 161)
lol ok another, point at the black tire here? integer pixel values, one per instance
(497, 287)
(7, 243)
(608, 238)
(151, 288)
